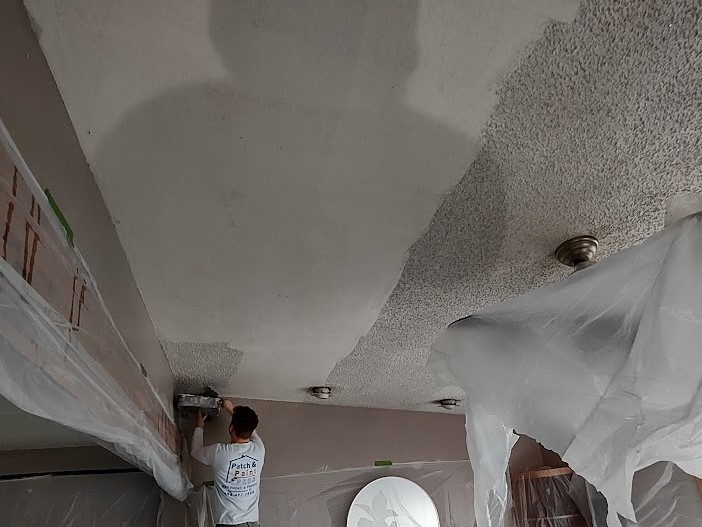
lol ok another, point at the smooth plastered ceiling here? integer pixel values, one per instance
(308, 192)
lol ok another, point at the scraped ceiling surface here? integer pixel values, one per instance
(269, 164)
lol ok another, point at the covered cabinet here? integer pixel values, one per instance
(542, 499)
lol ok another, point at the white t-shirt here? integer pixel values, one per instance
(237, 476)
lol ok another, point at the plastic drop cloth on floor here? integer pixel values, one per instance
(104, 500)
(62, 357)
(603, 368)
(323, 499)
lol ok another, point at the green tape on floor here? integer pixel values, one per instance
(383, 463)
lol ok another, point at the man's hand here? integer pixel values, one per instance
(228, 406)
(199, 419)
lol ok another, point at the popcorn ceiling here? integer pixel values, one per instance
(196, 365)
(598, 124)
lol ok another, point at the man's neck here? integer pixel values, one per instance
(237, 441)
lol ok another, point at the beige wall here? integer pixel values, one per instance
(33, 111)
(304, 438)
(551, 459)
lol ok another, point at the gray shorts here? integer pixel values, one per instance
(247, 524)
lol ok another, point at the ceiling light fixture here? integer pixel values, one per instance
(448, 404)
(578, 252)
(320, 392)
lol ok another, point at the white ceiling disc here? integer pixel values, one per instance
(392, 502)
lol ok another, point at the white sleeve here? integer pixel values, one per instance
(204, 454)
(255, 438)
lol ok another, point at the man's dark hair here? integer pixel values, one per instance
(244, 421)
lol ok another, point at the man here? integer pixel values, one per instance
(237, 467)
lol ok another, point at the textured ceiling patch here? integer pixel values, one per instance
(595, 128)
(197, 365)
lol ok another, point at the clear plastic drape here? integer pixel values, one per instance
(104, 500)
(61, 356)
(603, 368)
(541, 498)
(662, 495)
(488, 436)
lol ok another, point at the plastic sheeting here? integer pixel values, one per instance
(323, 499)
(542, 498)
(62, 357)
(487, 435)
(104, 500)
(662, 495)
(603, 368)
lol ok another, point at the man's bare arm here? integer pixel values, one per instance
(228, 406)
